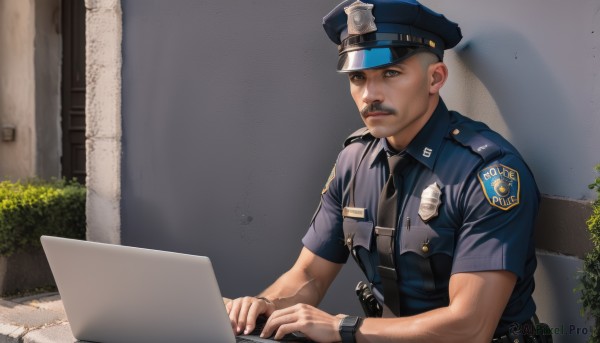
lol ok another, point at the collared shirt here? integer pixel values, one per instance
(482, 219)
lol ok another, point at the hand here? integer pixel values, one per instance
(317, 325)
(244, 311)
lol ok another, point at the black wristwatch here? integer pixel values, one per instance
(348, 327)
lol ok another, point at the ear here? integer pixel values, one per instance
(438, 74)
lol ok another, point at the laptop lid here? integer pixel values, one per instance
(114, 293)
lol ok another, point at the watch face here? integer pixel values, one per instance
(350, 321)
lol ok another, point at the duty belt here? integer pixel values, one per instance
(527, 332)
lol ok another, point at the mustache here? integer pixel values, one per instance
(376, 107)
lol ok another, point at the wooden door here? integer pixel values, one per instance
(73, 90)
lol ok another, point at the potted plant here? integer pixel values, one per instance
(29, 210)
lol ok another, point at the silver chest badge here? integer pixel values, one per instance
(360, 18)
(430, 202)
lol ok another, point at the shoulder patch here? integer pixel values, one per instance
(329, 179)
(362, 133)
(500, 185)
(478, 143)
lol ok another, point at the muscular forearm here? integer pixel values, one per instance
(294, 287)
(440, 325)
(476, 304)
(306, 282)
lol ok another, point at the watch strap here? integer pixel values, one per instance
(348, 327)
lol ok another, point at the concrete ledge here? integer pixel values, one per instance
(561, 226)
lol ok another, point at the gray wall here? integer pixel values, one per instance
(233, 115)
(531, 70)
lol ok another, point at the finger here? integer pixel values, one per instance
(256, 308)
(277, 319)
(234, 313)
(284, 329)
(243, 314)
(287, 310)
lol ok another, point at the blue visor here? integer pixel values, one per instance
(373, 58)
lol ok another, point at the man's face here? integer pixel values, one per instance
(393, 101)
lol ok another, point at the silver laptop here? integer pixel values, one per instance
(114, 294)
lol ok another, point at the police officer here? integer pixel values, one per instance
(437, 209)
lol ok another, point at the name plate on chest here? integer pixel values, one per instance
(354, 212)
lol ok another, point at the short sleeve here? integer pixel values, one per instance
(325, 235)
(500, 204)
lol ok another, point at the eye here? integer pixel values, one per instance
(355, 77)
(391, 73)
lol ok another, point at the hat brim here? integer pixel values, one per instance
(373, 58)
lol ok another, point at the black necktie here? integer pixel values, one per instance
(387, 212)
(387, 219)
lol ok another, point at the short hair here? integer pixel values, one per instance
(427, 58)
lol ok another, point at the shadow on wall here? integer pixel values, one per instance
(535, 109)
(530, 98)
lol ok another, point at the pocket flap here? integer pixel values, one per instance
(359, 231)
(425, 241)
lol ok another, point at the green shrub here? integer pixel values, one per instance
(590, 276)
(34, 208)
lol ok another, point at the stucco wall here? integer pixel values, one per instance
(103, 120)
(47, 62)
(30, 59)
(17, 87)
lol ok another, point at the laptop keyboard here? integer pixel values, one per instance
(239, 339)
(260, 324)
(286, 338)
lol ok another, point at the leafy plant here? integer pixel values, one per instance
(34, 208)
(590, 276)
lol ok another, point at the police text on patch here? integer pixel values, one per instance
(500, 185)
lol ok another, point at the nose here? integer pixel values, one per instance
(372, 92)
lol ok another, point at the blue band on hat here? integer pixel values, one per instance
(375, 57)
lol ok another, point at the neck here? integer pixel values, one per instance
(400, 142)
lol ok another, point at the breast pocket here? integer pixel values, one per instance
(357, 233)
(358, 238)
(426, 257)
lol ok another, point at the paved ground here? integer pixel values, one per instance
(35, 319)
(39, 318)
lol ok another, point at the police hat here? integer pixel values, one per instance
(384, 32)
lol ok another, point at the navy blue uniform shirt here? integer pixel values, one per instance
(485, 219)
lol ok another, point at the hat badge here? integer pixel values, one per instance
(360, 18)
